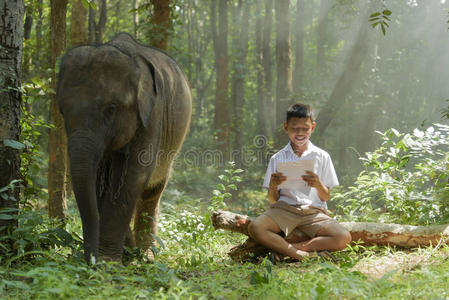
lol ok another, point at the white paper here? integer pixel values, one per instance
(294, 170)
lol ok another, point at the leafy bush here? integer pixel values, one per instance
(405, 181)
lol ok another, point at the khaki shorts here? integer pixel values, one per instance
(307, 219)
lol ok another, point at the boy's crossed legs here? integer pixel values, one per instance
(265, 231)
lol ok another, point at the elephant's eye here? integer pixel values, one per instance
(110, 111)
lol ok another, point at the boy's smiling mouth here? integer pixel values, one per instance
(300, 138)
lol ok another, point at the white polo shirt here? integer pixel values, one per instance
(323, 168)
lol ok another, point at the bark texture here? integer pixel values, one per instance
(407, 236)
(161, 21)
(78, 30)
(11, 36)
(267, 65)
(283, 66)
(96, 29)
(57, 141)
(238, 79)
(220, 38)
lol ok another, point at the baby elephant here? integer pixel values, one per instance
(127, 109)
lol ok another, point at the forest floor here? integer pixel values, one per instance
(191, 262)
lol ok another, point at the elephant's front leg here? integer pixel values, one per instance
(116, 211)
(147, 214)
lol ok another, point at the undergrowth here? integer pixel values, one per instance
(41, 259)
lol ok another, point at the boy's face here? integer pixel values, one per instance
(299, 130)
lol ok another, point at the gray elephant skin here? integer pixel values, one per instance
(127, 109)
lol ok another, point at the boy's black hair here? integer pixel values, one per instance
(300, 110)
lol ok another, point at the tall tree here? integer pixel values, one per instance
(101, 25)
(321, 34)
(238, 78)
(96, 29)
(135, 17)
(37, 58)
(11, 36)
(298, 72)
(27, 26)
(283, 65)
(220, 38)
(354, 58)
(78, 32)
(161, 22)
(261, 106)
(267, 65)
(57, 141)
(92, 26)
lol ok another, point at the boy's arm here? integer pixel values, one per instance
(273, 192)
(314, 181)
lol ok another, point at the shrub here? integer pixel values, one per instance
(405, 180)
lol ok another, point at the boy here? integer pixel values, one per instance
(292, 209)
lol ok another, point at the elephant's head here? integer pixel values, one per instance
(105, 96)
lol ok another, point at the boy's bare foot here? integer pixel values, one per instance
(242, 221)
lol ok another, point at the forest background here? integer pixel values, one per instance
(375, 73)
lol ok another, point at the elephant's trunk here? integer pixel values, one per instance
(85, 152)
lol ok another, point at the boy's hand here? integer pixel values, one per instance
(276, 180)
(312, 179)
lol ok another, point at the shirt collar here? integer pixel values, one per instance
(310, 148)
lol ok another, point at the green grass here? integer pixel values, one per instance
(193, 264)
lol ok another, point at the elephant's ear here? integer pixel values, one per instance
(148, 88)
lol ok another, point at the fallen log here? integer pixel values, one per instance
(407, 236)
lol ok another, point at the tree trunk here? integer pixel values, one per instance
(346, 80)
(135, 17)
(267, 64)
(57, 141)
(220, 38)
(283, 67)
(407, 236)
(190, 39)
(38, 59)
(238, 80)
(92, 26)
(161, 21)
(78, 31)
(11, 36)
(100, 27)
(27, 26)
(298, 72)
(321, 32)
(261, 111)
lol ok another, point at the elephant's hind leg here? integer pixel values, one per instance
(147, 212)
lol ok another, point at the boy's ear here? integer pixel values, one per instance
(285, 126)
(313, 125)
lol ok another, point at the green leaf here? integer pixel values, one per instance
(227, 195)
(158, 239)
(374, 14)
(232, 186)
(387, 12)
(383, 28)
(221, 187)
(6, 217)
(14, 144)
(89, 3)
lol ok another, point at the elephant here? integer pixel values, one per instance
(127, 109)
